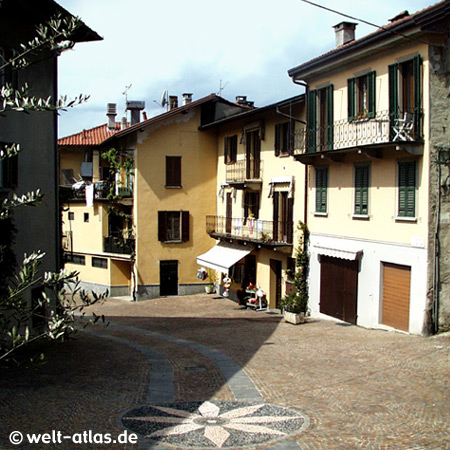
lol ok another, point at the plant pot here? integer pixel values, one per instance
(209, 289)
(294, 318)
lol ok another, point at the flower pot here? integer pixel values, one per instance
(209, 289)
(294, 318)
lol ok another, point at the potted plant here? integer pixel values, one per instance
(210, 288)
(295, 305)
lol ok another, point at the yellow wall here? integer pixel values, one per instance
(383, 223)
(178, 137)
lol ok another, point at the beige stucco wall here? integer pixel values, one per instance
(179, 136)
(383, 223)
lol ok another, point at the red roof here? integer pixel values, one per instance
(94, 136)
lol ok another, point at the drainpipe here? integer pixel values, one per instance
(305, 200)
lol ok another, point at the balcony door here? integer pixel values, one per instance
(253, 154)
(283, 213)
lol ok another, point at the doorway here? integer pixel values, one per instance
(168, 278)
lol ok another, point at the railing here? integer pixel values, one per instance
(116, 244)
(101, 191)
(380, 129)
(255, 230)
(244, 170)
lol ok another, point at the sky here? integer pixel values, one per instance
(231, 48)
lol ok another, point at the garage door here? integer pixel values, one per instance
(338, 288)
(396, 293)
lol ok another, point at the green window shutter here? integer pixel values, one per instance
(351, 98)
(312, 122)
(417, 62)
(371, 77)
(321, 189)
(407, 189)
(362, 190)
(330, 118)
(393, 97)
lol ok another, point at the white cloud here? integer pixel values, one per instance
(190, 46)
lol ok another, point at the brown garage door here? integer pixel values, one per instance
(338, 288)
(396, 293)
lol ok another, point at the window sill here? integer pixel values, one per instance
(321, 214)
(284, 155)
(406, 219)
(172, 242)
(173, 187)
(361, 217)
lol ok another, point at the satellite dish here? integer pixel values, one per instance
(164, 98)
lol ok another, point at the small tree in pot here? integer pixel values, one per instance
(295, 305)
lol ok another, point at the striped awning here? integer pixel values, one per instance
(351, 255)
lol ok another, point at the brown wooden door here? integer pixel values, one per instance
(228, 212)
(253, 155)
(396, 295)
(339, 288)
(276, 267)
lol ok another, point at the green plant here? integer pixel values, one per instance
(297, 302)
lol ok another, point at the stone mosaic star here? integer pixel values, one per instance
(217, 426)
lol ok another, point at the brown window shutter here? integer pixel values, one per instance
(162, 226)
(173, 171)
(185, 226)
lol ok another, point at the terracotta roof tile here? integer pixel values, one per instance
(93, 136)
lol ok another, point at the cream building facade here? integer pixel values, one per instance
(369, 153)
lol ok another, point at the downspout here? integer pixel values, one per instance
(305, 193)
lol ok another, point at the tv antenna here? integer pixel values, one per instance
(125, 92)
(221, 88)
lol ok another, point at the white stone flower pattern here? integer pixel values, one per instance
(218, 425)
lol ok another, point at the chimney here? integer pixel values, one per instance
(135, 108)
(242, 100)
(111, 111)
(345, 32)
(123, 123)
(187, 98)
(173, 102)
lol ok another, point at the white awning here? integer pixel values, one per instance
(223, 256)
(351, 255)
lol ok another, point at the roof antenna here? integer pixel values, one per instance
(221, 88)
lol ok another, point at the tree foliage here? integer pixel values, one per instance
(34, 306)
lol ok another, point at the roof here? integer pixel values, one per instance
(171, 113)
(424, 19)
(92, 137)
(255, 111)
(31, 13)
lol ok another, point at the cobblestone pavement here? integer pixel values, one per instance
(199, 371)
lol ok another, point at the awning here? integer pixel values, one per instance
(223, 256)
(351, 255)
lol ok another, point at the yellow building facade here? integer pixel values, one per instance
(368, 153)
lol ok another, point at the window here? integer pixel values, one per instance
(283, 141)
(231, 149)
(86, 217)
(407, 189)
(405, 93)
(173, 171)
(320, 119)
(9, 169)
(253, 154)
(173, 226)
(71, 215)
(361, 97)
(321, 189)
(78, 259)
(362, 190)
(251, 204)
(99, 262)
(283, 216)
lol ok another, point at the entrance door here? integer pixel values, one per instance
(396, 294)
(168, 278)
(275, 280)
(228, 213)
(339, 288)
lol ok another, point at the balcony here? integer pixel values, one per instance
(117, 244)
(244, 172)
(363, 134)
(263, 232)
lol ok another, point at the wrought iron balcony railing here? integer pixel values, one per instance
(383, 128)
(254, 230)
(117, 244)
(243, 170)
